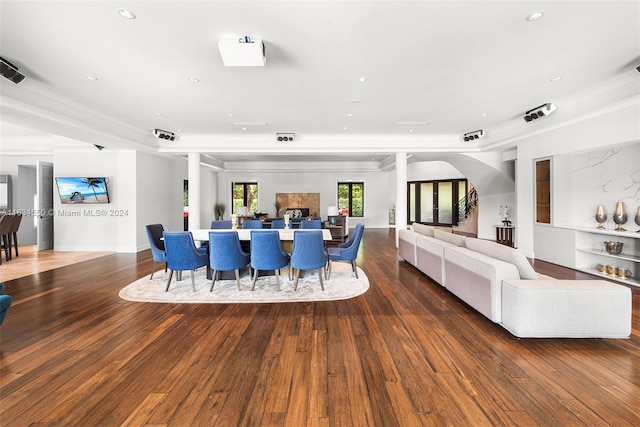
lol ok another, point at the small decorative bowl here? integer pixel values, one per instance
(613, 248)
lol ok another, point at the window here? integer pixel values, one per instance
(351, 198)
(244, 194)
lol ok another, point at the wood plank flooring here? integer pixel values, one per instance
(406, 353)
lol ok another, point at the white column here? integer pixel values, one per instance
(194, 191)
(401, 193)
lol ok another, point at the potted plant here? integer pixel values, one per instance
(277, 206)
(218, 210)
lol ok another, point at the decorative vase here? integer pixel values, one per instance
(638, 219)
(620, 216)
(601, 216)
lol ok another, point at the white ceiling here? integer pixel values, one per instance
(457, 65)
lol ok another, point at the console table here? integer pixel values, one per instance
(504, 235)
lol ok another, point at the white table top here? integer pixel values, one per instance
(245, 234)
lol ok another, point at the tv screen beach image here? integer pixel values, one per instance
(82, 190)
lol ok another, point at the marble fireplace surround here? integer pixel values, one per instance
(299, 200)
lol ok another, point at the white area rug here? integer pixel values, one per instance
(342, 285)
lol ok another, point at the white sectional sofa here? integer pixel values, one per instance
(499, 282)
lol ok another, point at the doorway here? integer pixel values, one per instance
(435, 202)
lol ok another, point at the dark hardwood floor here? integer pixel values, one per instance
(406, 353)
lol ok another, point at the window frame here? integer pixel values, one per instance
(245, 185)
(350, 184)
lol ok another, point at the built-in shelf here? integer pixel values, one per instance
(628, 257)
(631, 281)
(629, 233)
(589, 252)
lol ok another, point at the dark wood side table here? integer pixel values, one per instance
(504, 235)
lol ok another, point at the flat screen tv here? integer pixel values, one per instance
(82, 190)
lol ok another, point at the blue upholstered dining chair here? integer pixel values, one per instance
(347, 251)
(154, 234)
(252, 223)
(311, 223)
(277, 224)
(225, 254)
(5, 303)
(182, 254)
(267, 254)
(217, 225)
(308, 254)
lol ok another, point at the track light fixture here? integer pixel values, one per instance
(10, 71)
(99, 147)
(541, 111)
(476, 134)
(164, 134)
(285, 137)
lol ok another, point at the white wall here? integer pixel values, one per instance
(143, 189)
(595, 133)
(159, 194)
(377, 190)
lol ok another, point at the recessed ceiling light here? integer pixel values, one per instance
(555, 79)
(229, 115)
(244, 128)
(92, 78)
(157, 113)
(535, 16)
(362, 79)
(355, 101)
(194, 79)
(484, 114)
(344, 127)
(410, 130)
(412, 123)
(349, 115)
(127, 14)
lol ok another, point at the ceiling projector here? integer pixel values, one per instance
(541, 111)
(476, 134)
(286, 137)
(164, 134)
(242, 52)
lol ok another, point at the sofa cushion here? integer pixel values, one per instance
(427, 230)
(456, 239)
(503, 253)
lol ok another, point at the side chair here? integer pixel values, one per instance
(347, 251)
(154, 234)
(277, 224)
(252, 224)
(308, 254)
(182, 254)
(218, 225)
(311, 223)
(226, 254)
(267, 254)
(5, 303)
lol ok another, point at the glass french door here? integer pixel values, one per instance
(434, 202)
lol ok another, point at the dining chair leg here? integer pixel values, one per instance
(153, 270)
(295, 283)
(169, 281)
(355, 267)
(320, 273)
(238, 278)
(213, 279)
(277, 271)
(255, 277)
(329, 271)
(193, 281)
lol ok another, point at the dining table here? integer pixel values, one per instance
(244, 234)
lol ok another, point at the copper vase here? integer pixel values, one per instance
(601, 217)
(620, 216)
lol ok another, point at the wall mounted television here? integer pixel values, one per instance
(80, 190)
